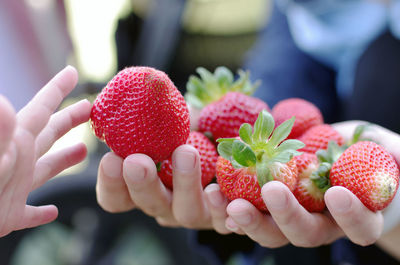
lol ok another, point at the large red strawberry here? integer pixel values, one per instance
(208, 160)
(224, 117)
(318, 137)
(259, 156)
(141, 111)
(309, 192)
(368, 171)
(306, 113)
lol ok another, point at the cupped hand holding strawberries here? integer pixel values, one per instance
(236, 203)
(301, 222)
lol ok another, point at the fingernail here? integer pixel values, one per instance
(215, 197)
(231, 225)
(134, 172)
(340, 204)
(242, 218)
(184, 161)
(276, 200)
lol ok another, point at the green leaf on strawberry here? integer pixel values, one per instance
(264, 149)
(210, 87)
(243, 154)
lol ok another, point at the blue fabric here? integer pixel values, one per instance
(286, 71)
(337, 32)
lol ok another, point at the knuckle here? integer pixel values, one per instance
(222, 230)
(187, 220)
(154, 210)
(166, 222)
(365, 241)
(190, 221)
(108, 208)
(112, 206)
(274, 243)
(308, 240)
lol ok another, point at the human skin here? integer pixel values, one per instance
(25, 138)
(133, 183)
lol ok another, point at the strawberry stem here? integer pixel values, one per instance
(211, 87)
(320, 177)
(264, 148)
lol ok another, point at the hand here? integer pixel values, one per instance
(289, 222)
(25, 139)
(123, 185)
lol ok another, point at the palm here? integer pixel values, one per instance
(25, 139)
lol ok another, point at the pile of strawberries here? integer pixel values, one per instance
(141, 111)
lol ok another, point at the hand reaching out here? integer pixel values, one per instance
(25, 138)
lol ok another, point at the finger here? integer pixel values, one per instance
(111, 191)
(361, 225)
(52, 164)
(232, 226)
(7, 124)
(35, 216)
(390, 140)
(217, 204)
(7, 165)
(188, 203)
(296, 223)
(257, 225)
(60, 123)
(34, 116)
(145, 187)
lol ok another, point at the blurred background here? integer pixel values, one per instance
(99, 37)
(316, 53)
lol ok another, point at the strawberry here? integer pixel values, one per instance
(211, 87)
(208, 160)
(306, 113)
(223, 118)
(215, 107)
(258, 156)
(368, 171)
(309, 192)
(141, 111)
(318, 137)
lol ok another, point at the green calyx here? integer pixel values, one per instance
(358, 134)
(210, 87)
(320, 177)
(261, 146)
(326, 158)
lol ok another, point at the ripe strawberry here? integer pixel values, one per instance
(318, 137)
(224, 117)
(308, 191)
(306, 113)
(211, 87)
(208, 160)
(368, 171)
(246, 164)
(141, 111)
